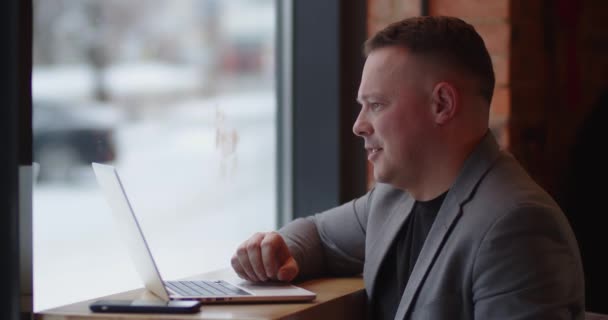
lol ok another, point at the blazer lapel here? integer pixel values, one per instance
(473, 170)
(380, 247)
(446, 217)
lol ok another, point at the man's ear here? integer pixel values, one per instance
(445, 102)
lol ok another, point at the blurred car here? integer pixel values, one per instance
(66, 138)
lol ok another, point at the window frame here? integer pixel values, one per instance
(321, 163)
(16, 143)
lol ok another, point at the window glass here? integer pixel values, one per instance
(179, 96)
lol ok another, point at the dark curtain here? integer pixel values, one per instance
(585, 203)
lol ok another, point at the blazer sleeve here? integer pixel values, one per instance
(527, 268)
(331, 242)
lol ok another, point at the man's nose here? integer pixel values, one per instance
(362, 127)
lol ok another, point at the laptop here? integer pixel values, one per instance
(215, 291)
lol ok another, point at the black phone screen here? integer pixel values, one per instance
(146, 306)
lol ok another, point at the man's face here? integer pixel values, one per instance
(396, 118)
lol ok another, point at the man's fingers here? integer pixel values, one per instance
(277, 257)
(236, 265)
(272, 245)
(243, 258)
(254, 252)
(264, 256)
(289, 270)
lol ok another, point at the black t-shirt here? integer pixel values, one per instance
(399, 262)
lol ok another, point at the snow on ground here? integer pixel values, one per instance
(74, 82)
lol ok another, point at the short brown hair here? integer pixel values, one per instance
(446, 39)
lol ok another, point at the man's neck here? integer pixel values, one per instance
(441, 172)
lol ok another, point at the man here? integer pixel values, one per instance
(454, 228)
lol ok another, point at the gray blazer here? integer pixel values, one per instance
(500, 247)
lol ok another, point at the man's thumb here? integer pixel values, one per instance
(289, 270)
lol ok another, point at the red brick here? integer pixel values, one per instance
(470, 8)
(379, 9)
(374, 25)
(501, 103)
(392, 10)
(499, 116)
(498, 125)
(407, 8)
(383, 12)
(497, 36)
(501, 70)
(504, 141)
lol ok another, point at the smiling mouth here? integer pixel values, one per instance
(372, 152)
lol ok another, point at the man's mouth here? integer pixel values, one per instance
(372, 152)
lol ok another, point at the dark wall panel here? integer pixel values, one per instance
(328, 161)
(9, 244)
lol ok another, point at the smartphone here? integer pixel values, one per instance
(146, 306)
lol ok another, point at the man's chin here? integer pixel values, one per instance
(385, 176)
(380, 176)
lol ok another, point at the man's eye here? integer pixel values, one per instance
(376, 106)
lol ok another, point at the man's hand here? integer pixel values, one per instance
(264, 257)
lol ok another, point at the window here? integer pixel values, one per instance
(179, 96)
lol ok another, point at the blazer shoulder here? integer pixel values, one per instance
(384, 195)
(506, 189)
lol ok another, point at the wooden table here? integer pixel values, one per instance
(337, 298)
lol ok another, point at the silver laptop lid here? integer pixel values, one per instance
(115, 194)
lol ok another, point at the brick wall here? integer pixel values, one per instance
(381, 13)
(491, 19)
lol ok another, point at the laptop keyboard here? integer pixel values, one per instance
(201, 288)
